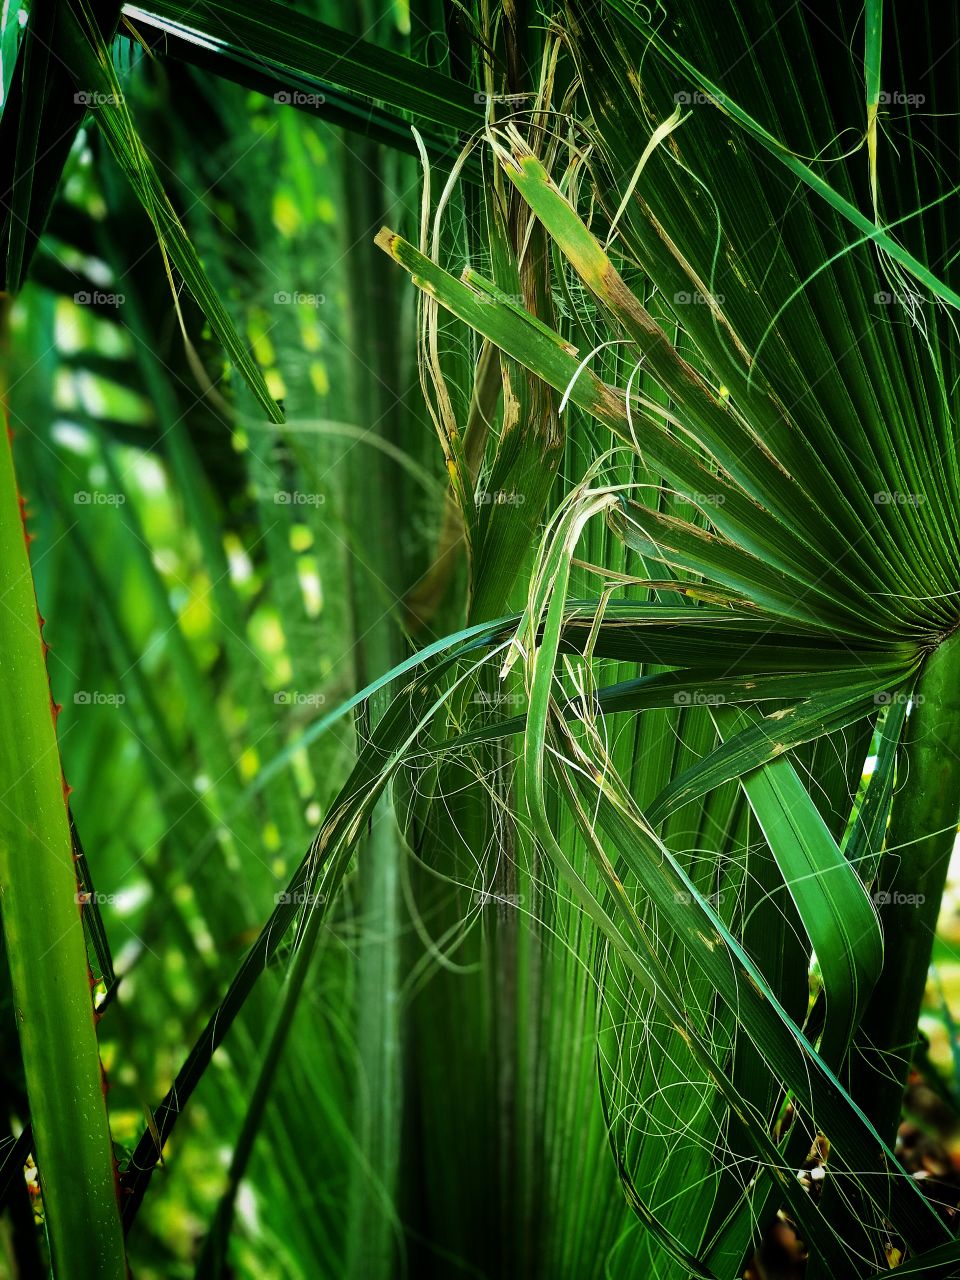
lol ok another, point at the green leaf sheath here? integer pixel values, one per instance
(44, 936)
(920, 840)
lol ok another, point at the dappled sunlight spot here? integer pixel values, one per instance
(275, 383)
(319, 378)
(263, 346)
(128, 901)
(266, 631)
(148, 474)
(286, 213)
(195, 610)
(249, 763)
(310, 585)
(248, 1207)
(73, 437)
(301, 537)
(240, 564)
(948, 923)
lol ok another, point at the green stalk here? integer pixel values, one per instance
(376, 512)
(44, 936)
(920, 841)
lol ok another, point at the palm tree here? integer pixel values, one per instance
(621, 905)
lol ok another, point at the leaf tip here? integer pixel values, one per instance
(386, 239)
